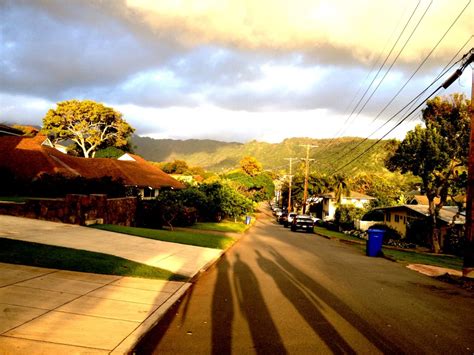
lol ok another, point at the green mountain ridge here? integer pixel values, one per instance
(213, 155)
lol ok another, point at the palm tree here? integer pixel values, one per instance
(340, 186)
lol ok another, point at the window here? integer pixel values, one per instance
(397, 218)
(148, 192)
(387, 216)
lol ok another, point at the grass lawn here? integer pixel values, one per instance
(48, 256)
(451, 262)
(408, 257)
(334, 234)
(189, 238)
(224, 226)
(13, 199)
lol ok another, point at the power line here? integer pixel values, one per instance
(380, 68)
(416, 71)
(413, 101)
(396, 58)
(445, 85)
(380, 139)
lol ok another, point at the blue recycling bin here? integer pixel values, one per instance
(374, 243)
(247, 219)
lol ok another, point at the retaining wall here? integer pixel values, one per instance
(76, 209)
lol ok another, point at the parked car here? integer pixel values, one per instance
(302, 222)
(289, 219)
(278, 212)
(282, 219)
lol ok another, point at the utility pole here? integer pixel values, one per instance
(468, 266)
(305, 193)
(289, 186)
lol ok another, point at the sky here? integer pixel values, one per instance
(233, 70)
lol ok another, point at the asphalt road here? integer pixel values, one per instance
(279, 292)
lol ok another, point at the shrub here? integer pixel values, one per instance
(345, 216)
(390, 233)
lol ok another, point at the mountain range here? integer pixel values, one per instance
(327, 155)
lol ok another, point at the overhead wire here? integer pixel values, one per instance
(380, 68)
(386, 134)
(392, 64)
(444, 85)
(421, 64)
(446, 68)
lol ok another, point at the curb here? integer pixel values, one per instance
(130, 342)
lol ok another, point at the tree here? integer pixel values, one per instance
(90, 125)
(175, 167)
(340, 186)
(437, 153)
(251, 166)
(258, 188)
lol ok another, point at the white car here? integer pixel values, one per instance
(290, 219)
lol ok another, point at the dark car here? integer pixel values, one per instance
(302, 222)
(283, 218)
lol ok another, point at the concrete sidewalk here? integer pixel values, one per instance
(48, 311)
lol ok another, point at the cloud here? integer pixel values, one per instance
(360, 27)
(56, 54)
(249, 62)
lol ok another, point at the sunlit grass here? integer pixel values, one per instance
(409, 257)
(49, 256)
(224, 226)
(13, 198)
(181, 237)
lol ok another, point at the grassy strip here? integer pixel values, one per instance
(224, 226)
(189, 238)
(334, 234)
(450, 262)
(13, 199)
(48, 256)
(408, 257)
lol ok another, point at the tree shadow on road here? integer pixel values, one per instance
(265, 336)
(307, 306)
(377, 339)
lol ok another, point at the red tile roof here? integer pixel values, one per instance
(29, 158)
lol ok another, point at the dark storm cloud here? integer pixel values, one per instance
(102, 50)
(46, 53)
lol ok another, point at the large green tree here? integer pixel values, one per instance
(437, 153)
(90, 125)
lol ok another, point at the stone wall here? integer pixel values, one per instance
(76, 209)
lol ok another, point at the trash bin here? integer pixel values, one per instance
(247, 219)
(374, 243)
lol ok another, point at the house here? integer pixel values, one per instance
(325, 205)
(30, 158)
(401, 217)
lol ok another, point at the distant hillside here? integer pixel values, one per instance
(215, 155)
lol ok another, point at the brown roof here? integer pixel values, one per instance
(10, 131)
(29, 158)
